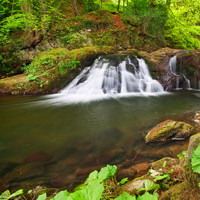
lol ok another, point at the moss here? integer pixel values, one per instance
(167, 129)
(47, 72)
(181, 191)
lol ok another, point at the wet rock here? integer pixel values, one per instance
(127, 172)
(169, 130)
(24, 171)
(141, 168)
(62, 180)
(192, 177)
(86, 171)
(38, 157)
(115, 154)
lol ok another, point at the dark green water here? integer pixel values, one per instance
(80, 130)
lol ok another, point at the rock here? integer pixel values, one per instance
(169, 130)
(62, 180)
(127, 172)
(131, 187)
(196, 119)
(192, 177)
(24, 171)
(37, 157)
(182, 191)
(141, 168)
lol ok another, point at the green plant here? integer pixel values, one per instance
(7, 195)
(195, 160)
(124, 180)
(182, 155)
(149, 186)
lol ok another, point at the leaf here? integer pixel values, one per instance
(149, 185)
(18, 192)
(112, 169)
(195, 160)
(162, 177)
(147, 196)
(42, 197)
(125, 196)
(5, 195)
(94, 191)
(62, 195)
(92, 176)
(107, 172)
(124, 180)
(91, 192)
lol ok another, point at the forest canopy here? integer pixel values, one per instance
(177, 21)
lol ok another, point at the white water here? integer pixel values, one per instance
(104, 80)
(172, 67)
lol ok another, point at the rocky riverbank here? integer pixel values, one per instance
(52, 70)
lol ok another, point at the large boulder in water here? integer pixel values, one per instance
(169, 130)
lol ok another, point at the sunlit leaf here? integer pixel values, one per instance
(147, 196)
(126, 196)
(195, 160)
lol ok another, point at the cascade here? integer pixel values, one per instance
(104, 78)
(111, 76)
(178, 75)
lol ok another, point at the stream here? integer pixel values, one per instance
(61, 140)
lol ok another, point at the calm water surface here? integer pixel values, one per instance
(29, 127)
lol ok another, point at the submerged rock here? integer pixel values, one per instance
(169, 130)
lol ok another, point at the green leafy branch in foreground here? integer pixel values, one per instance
(94, 188)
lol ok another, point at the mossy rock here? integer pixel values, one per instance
(181, 191)
(192, 177)
(48, 75)
(169, 130)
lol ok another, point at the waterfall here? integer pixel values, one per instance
(112, 77)
(178, 75)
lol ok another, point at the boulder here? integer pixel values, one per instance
(192, 177)
(180, 191)
(169, 130)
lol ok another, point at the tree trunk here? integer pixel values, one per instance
(118, 6)
(75, 8)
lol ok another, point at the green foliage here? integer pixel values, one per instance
(183, 27)
(7, 195)
(151, 18)
(90, 5)
(182, 155)
(124, 180)
(126, 196)
(195, 160)
(148, 196)
(149, 186)
(164, 176)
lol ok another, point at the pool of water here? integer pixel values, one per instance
(63, 139)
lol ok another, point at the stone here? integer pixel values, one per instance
(132, 187)
(37, 157)
(127, 172)
(192, 177)
(141, 168)
(169, 130)
(24, 171)
(179, 192)
(61, 180)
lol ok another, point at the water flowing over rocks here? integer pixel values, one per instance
(169, 130)
(186, 66)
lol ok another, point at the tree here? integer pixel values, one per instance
(76, 13)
